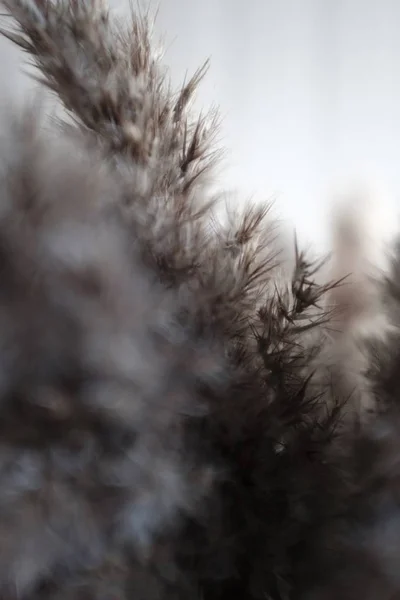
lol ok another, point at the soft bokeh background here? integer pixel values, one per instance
(309, 91)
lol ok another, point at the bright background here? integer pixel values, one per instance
(309, 91)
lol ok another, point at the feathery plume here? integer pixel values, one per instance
(172, 389)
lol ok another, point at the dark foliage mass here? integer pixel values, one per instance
(188, 409)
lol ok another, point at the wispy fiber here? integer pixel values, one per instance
(174, 393)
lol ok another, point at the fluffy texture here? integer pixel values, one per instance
(98, 377)
(174, 391)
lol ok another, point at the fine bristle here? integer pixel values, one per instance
(175, 389)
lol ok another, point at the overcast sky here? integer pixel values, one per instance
(309, 90)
